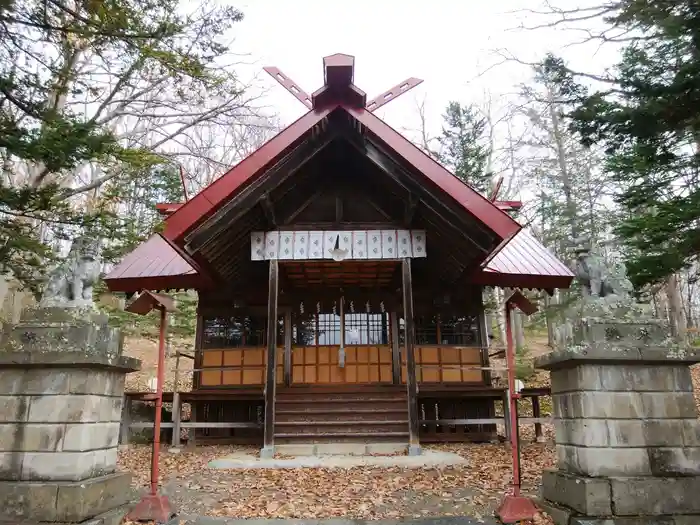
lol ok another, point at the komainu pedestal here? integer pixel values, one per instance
(61, 389)
(627, 428)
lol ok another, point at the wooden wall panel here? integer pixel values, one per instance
(244, 366)
(445, 364)
(363, 364)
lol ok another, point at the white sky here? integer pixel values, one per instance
(447, 43)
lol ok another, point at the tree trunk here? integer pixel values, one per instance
(563, 168)
(675, 307)
(500, 314)
(549, 320)
(518, 331)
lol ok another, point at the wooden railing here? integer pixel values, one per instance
(446, 364)
(237, 366)
(321, 365)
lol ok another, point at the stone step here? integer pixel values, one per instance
(342, 449)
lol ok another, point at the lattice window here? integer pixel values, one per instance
(426, 328)
(237, 331)
(367, 329)
(441, 329)
(459, 330)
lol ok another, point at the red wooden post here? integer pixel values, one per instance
(515, 507)
(513, 397)
(155, 456)
(154, 507)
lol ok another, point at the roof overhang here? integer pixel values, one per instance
(156, 264)
(524, 263)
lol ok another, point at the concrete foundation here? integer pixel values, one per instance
(627, 434)
(60, 410)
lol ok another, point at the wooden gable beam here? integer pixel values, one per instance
(268, 210)
(410, 209)
(236, 208)
(411, 187)
(394, 169)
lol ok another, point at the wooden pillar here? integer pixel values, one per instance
(288, 348)
(409, 336)
(177, 409)
(395, 350)
(268, 449)
(484, 340)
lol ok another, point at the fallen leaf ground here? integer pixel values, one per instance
(361, 493)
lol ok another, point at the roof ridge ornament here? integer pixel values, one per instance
(338, 77)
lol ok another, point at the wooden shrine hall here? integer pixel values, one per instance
(339, 272)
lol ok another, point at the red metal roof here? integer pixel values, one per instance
(250, 168)
(154, 265)
(525, 263)
(210, 198)
(471, 200)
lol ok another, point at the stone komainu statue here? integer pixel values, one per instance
(70, 284)
(599, 280)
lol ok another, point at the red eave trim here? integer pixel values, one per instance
(156, 283)
(508, 205)
(167, 208)
(213, 196)
(521, 281)
(479, 206)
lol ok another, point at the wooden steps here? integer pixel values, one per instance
(341, 415)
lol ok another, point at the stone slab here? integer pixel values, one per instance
(387, 448)
(589, 496)
(605, 353)
(64, 501)
(341, 449)
(622, 377)
(76, 502)
(68, 359)
(428, 459)
(625, 521)
(655, 496)
(456, 520)
(301, 449)
(598, 462)
(65, 466)
(560, 515)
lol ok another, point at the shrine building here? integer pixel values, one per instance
(339, 272)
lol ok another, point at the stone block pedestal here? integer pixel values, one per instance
(60, 411)
(627, 435)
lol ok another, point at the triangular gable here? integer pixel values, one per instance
(246, 171)
(213, 196)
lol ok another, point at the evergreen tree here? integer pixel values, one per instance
(463, 147)
(88, 92)
(648, 120)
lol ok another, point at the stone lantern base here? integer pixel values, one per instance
(627, 431)
(61, 391)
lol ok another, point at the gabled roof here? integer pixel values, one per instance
(208, 233)
(211, 198)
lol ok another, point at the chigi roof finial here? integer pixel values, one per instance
(338, 86)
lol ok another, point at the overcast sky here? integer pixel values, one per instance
(447, 43)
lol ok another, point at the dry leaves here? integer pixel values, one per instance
(359, 493)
